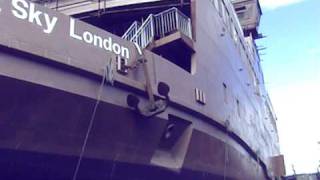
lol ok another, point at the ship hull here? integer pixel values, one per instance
(43, 130)
(38, 166)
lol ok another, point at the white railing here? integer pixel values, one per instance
(132, 30)
(172, 20)
(158, 26)
(145, 34)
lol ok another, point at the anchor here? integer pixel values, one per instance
(154, 107)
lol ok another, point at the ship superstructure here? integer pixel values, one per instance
(144, 89)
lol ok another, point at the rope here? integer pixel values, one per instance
(258, 164)
(75, 175)
(226, 159)
(226, 151)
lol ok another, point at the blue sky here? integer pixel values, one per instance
(291, 67)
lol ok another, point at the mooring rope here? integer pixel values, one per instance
(226, 151)
(75, 175)
(258, 164)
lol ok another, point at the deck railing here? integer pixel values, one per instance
(158, 26)
(132, 30)
(145, 34)
(172, 20)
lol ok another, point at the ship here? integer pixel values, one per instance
(134, 90)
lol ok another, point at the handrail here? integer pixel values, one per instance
(158, 26)
(172, 20)
(132, 30)
(145, 34)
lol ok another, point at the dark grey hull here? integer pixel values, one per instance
(36, 166)
(42, 131)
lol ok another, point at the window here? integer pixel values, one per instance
(242, 8)
(225, 93)
(238, 108)
(241, 15)
(241, 12)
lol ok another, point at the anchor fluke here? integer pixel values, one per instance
(153, 108)
(163, 89)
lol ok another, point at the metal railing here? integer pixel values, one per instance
(132, 30)
(145, 34)
(172, 20)
(158, 26)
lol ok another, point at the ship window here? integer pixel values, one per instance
(240, 15)
(240, 8)
(224, 85)
(238, 108)
(225, 93)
